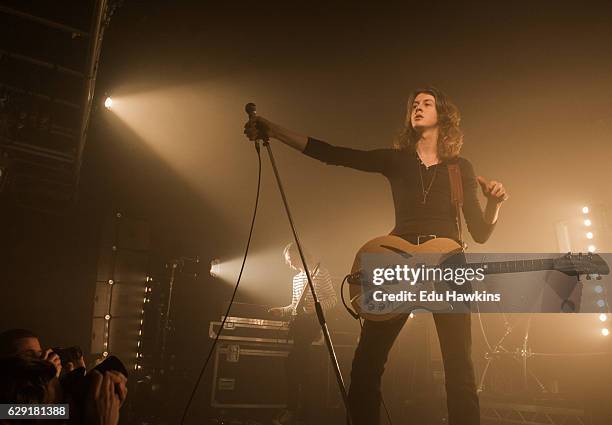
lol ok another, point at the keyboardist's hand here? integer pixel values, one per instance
(276, 311)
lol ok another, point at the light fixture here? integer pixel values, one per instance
(215, 267)
(591, 248)
(605, 331)
(585, 210)
(603, 317)
(589, 235)
(108, 102)
(588, 222)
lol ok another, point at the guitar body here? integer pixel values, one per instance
(400, 251)
(378, 298)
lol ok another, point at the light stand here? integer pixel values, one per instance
(521, 354)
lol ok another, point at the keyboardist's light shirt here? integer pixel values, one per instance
(323, 286)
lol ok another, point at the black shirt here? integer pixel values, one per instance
(401, 167)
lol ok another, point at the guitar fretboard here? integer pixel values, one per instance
(514, 266)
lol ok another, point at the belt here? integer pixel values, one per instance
(418, 239)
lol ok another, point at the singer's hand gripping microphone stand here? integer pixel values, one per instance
(251, 110)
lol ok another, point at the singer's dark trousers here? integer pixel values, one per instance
(376, 340)
(304, 329)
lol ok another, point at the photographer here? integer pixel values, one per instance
(29, 375)
(28, 380)
(24, 343)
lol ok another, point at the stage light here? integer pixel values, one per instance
(589, 235)
(111, 281)
(215, 267)
(591, 248)
(605, 331)
(105, 354)
(603, 317)
(601, 303)
(108, 102)
(587, 222)
(599, 289)
(107, 317)
(585, 210)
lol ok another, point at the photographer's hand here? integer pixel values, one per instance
(52, 357)
(120, 383)
(104, 403)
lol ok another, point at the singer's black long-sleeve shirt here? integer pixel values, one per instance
(413, 217)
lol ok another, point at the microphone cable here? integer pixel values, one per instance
(246, 252)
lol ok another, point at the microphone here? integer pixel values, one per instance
(251, 110)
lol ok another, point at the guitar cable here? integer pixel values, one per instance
(246, 252)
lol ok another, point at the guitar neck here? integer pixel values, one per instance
(514, 266)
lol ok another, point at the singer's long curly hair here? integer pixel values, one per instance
(450, 136)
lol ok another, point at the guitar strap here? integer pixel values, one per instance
(456, 186)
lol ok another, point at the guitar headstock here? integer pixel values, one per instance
(589, 264)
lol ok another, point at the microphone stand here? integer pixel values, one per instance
(318, 308)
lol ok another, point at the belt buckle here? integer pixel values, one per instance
(425, 236)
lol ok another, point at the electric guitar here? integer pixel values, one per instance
(440, 251)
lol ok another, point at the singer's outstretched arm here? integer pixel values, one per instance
(258, 125)
(377, 160)
(288, 137)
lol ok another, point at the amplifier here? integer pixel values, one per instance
(249, 375)
(250, 361)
